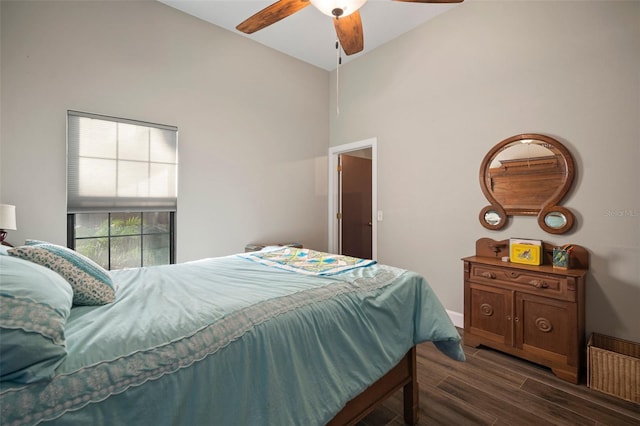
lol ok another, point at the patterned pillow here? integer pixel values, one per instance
(92, 284)
(36, 303)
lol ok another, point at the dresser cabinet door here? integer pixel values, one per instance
(491, 313)
(546, 327)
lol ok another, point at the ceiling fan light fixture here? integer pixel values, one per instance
(338, 8)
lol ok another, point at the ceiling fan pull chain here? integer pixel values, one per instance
(339, 59)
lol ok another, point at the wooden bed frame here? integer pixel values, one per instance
(402, 375)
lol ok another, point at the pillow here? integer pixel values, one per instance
(36, 303)
(92, 284)
(29, 242)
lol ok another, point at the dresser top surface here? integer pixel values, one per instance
(486, 248)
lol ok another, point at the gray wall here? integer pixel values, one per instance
(253, 123)
(253, 161)
(441, 96)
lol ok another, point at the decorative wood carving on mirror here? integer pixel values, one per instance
(527, 175)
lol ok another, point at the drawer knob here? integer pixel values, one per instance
(539, 284)
(489, 275)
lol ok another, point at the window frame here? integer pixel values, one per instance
(152, 201)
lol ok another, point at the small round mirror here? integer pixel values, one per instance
(555, 220)
(492, 217)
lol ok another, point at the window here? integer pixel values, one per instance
(121, 190)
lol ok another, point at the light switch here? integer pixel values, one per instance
(380, 216)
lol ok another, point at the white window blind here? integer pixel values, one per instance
(115, 164)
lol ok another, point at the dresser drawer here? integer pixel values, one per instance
(519, 279)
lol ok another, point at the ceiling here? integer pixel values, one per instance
(308, 34)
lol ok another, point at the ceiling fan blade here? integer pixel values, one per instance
(271, 14)
(349, 30)
(431, 1)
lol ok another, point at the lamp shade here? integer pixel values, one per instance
(345, 7)
(7, 217)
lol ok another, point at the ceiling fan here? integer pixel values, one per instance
(345, 14)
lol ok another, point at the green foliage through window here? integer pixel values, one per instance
(124, 240)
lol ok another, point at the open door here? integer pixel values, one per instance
(366, 149)
(355, 205)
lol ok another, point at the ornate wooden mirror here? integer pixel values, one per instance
(527, 175)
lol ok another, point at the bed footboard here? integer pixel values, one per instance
(402, 375)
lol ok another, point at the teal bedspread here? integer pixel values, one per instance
(231, 341)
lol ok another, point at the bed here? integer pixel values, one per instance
(284, 336)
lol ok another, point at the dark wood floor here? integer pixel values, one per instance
(492, 388)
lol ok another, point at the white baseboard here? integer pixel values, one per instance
(457, 318)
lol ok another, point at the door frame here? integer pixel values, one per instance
(334, 192)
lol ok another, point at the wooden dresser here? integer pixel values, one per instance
(533, 312)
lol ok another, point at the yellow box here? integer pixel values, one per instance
(528, 254)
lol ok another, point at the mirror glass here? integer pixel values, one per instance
(524, 175)
(492, 217)
(555, 220)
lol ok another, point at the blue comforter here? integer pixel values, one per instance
(229, 341)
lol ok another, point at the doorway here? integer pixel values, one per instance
(353, 225)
